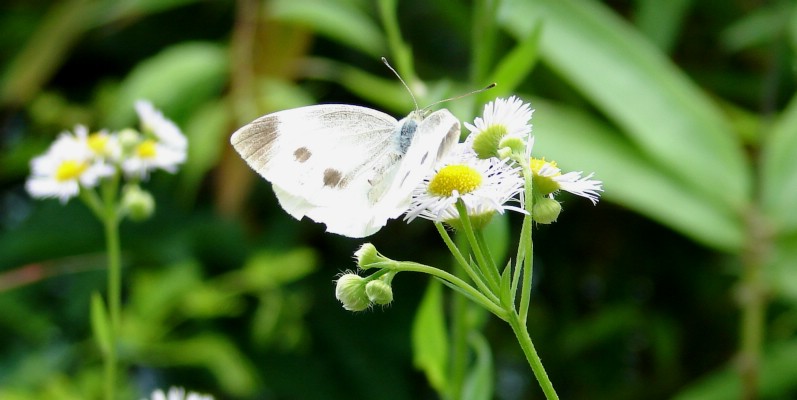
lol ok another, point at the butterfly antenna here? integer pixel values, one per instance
(477, 91)
(384, 61)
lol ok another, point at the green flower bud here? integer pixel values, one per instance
(368, 257)
(515, 145)
(546, 210)
(486, 143)
(138, 204)
(129, 139)
(350, 290)
(379, 292)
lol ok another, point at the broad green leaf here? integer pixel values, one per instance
(761, 26)
(515, 66)
(344, 21)
(231, 369)
(782, 272)
(779, 171)
(661, 21)
(479, 382)
(267, 269)
(663, 113)
(207, 131)
(177, 81)
(100, 324)
(578, 141)
(430, 338)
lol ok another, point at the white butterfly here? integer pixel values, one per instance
(349, 167)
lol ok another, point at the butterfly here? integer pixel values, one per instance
(351, 168)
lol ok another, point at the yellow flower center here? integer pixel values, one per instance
(537, 164)
(97, 142)
(543, 185)
(461, 178)
(146, 149)
(70, 170)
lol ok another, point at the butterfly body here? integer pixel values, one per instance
(349, 167)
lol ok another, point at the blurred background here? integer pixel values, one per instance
(681, 283)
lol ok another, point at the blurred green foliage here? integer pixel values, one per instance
(685, 109)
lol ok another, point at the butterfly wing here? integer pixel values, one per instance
(321, 161)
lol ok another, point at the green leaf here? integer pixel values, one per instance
(218, 354)
(761, 26)
(100, 324)
(778, 376)
(177, 81)
(579, 141)
(661, 21)
(207, 131)
(267, 269)
(430, 337)
(343, 21)
(779, 170)
(515, 66)
(479, 382)
(663, 113)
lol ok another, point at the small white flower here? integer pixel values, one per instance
(484, 185)
(148, 155)
(165, 147)
(176, 393)
(164, 129)
(548, 179)
(67, 165)
(504, 123)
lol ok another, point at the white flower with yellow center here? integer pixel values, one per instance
(548, 179)
(504, 123)
(162, 145)
(483, 185)
(68, 165)
(176, 393)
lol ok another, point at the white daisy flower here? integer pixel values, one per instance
(177, 393)
(164, 129)
(102, 144)
(505, 123)
(548, 179)
(68, 165)
(165, 149)
(484, 186)
(148, 155)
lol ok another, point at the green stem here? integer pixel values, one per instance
(114, 300)
(475, 275)
(526, 242)
(490, 273)
(111, 219)
(752, 298)
(522, 334)
(458, 337)
(456, 282)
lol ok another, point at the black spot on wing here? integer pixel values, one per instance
(302, 154)
(333, 178)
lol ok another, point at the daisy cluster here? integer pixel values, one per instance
(177, 393)
(81, 160)
(486, 172)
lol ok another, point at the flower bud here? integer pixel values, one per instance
(379, 292)
(138, 204)
(546, 210)
(129, 139)
(515, 145)
(367, 256)
(350, 290)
